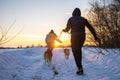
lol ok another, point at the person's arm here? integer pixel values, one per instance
(89, 26)
(68, 26)
(56, 38)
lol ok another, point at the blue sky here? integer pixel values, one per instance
(38, 16)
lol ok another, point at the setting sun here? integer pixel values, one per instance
(38, 18)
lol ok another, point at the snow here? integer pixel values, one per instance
(28, 64)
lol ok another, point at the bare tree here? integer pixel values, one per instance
(4, 34)
(105, 17)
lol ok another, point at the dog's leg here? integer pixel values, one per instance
(50, 62)
(67, 57)
(45, 62)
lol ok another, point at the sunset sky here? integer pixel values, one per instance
(37, 18)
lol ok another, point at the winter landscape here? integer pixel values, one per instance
(28, 64)
(24, 29)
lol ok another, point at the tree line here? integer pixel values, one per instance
(104, 15)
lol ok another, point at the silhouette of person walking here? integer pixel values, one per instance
(77, 25)
(50, 40)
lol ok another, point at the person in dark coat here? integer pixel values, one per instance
(77, 24)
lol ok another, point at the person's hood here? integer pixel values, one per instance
(76, 12)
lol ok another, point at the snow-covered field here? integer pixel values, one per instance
(28, 64)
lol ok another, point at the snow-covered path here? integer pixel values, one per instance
(28, 64)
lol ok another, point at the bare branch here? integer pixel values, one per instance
(4, 34)
(11, 38)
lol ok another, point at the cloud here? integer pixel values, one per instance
(68, 13)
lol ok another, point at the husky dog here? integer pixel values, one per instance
(66, 53)
(48, 57)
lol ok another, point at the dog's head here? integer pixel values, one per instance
(66, 50)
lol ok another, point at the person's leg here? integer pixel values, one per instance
(76, 44)
(79, 64)
(78, 57)
(51, 51)
(50, 46)
(51, 54)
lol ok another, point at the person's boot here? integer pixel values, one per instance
(80, 71)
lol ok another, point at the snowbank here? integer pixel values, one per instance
(28, 64)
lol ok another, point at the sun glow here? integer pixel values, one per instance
(65, 38)
(26, 40)
(64, 43)
(39, 40)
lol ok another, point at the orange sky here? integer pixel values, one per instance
(38, 17)
(28, 40)
(38, 40)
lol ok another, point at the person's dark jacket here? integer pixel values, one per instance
(77, 24)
